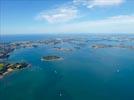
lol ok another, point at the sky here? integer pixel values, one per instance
(66, 16)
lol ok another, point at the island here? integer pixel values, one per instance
(112, 46)
(6, 68)
(101, 46)
(63, 49)
(6, 48)
(51, 58)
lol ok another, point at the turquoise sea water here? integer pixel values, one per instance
(84, 74)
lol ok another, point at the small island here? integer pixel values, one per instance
(63, 49)
(101, 46)
(51, 58)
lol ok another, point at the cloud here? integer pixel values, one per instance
(100, 3)
(70, 10)
(115, 24)
(123, 17)
(61, 14)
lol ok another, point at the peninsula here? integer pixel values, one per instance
(6, 68)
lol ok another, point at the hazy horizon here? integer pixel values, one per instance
(26, 34)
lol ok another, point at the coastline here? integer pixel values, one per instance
(9, 68)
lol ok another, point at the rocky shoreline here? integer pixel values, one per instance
(6, 68)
